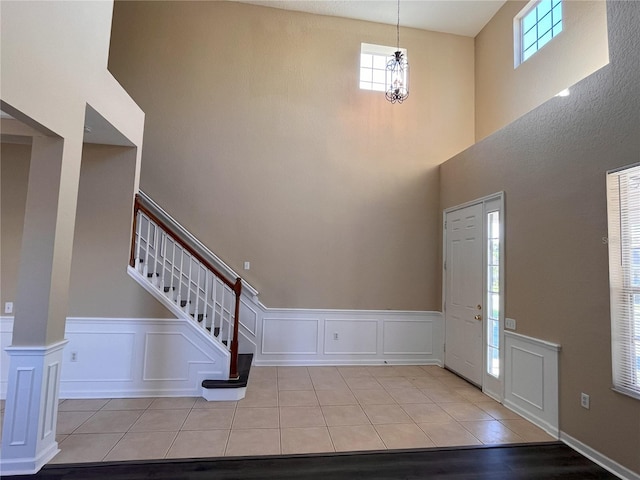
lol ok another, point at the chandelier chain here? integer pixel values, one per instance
(397, 72)
(398, 28)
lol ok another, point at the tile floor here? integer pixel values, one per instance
(291, 410)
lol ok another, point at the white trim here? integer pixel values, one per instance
(122, 357)
(280, 346)
(537, 341)
(223, 394)
(385, 50)
(487, 380)
(31, 411)
(531, 386)
(36, 351)
(100, 372)
(486, 198)
(597, 457)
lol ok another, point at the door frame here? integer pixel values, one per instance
(492, 386)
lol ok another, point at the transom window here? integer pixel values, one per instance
(535, 26)
(373, 64)
(623, 211)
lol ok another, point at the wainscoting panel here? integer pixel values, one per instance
(357, 337)
(120, 357)
(289, 336)
(113, 357)
(248, 316)
(92, 346)
(348, 337)
(408, 337)
(170, 356)
(531, 380)
(6, 332)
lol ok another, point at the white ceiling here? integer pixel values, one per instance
(462, 17)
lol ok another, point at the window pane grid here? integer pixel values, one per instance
(372, 71)
(539, 26)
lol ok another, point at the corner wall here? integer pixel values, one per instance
(260, 142)
(14, 165)
(505, 93)
(551, 164)
(99, 285)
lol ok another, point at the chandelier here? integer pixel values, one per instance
(397, 72)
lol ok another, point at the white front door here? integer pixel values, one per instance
(464, 292)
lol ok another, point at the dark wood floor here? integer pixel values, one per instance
(514, 462)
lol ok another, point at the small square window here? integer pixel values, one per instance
(373, 64)
(535, 26)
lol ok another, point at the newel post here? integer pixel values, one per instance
(132, 259)
(233, 369)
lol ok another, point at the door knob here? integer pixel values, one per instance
(478, 317)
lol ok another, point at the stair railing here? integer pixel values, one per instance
(165, 255)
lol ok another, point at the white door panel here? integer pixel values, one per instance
(464, 292)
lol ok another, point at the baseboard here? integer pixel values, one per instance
(596, 457)
(340, 363)
(28, 466)
(536, 420)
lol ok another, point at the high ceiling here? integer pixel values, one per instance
(462, 17)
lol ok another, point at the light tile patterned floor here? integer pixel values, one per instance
(291, 410)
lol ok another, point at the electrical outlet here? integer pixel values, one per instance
(74, 356)
(8, 307)
(335, 335)
(510, 323)
(584, 400)
(247, 265)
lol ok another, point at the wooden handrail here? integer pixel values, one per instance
(235, 286)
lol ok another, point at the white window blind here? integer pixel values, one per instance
(623, 209)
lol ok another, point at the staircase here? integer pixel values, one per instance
(182, 274)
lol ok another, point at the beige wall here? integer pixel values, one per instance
(54, 57)
(14, 175)
(100, 286)
(551, 164)
(503, 93)
(259, 141)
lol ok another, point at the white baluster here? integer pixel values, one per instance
(164, 262)
(229, 323)
(156, 249)
(195, 309)
(145, 269)
(186, 306)
(173, 270)
(206, 302)
(179, 297)
(214, 315)
(138, 240)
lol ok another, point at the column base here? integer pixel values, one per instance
(31, 409)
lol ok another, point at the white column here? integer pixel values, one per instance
(31, 410)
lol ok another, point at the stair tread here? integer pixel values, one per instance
(244, 367)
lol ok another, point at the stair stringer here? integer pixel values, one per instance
(217, 349)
